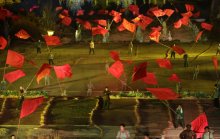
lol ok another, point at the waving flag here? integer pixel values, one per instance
(99, 30)
(178, 49)
(44, 71)
(158, 13)
(14, 76)
(178, 24)
(80, 12)
(116, 69)
(189, 7)
(129, 26)
(155, 36)
(187, 14)
(52, 40)
(116, 16)
(101, 22)
(198, 36)
(199, 124)
(142, 21)
(66, 21)
(168, 12)
(65, 12)
(121, 28)
(114, 55)
(30, 105)
(215, 62)
(164, 63)
(134, 9)
(139, 72)
(22, 34)
(185, 20)
(206, 26)
(150, 79)
(15, 59)
(197, 14)
(86, 24)
(3, 43)
(174, 78)
(163, 93)
(63, 71)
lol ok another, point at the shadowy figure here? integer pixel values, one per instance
(188, 133)
(106, 93)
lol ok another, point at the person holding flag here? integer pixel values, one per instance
(106, 93)
(50, 58)
(38, 45)
(179, 119)
(91, 47)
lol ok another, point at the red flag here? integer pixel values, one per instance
(116, 69)
(14, 59)
(99, 30)
(164, 63)
(33, 8)
(134, 9)
(139, 72)
(101, 22)
(206, 26)
(44, 71)
(65, 12)
(215, 62)
(143, 21)
(121, 27)
(59, 8)
(178, 49)
(198, 36)
(189, 7)
(91, 12)
(187, 14)
(169, 12)
(199, 124)
(86, 24)
(163, 93)
(158, 12)
(66, 21)
(116, 16)
(63, 71)
(52, 40)
(174, 78)
(150, 79)
(150, 11)
(3, 43)
(22, 34)
(155, 36)
(129, 26)
(114, 55)
(158, 28)
(185, 20)
(30, 105)
(14, 76)
(197, 14)
(80, 12)
(102, 11)
(178, 24)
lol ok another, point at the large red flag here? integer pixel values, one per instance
(129, 26)
(86, 24)
(14, 76)
(185, 20)
(178, 24)
(116, 16)
(158, 12)
(169, 12)
(114, 55)
(215, 62)
(15, 59)
(116, 69)
(189, 7)
(99, 30)
(198, 36)
(3, 43)
(139, 72)
(22, 34)
(66, 21)
(30, 105)
(199, 124)
(52, 40)
(178, 49)
(163, 93)
(143, 21)
(164, 63)
(155, 36)
(206, 26)
(44, 71)
(63, 71)
(174, 78)
(134, 9)
(101, 22)
(150, 79)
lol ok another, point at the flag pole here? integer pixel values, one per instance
(30, 82)
(19, 122)
(4, 72)
(60, 86)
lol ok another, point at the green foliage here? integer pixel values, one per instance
(135, 94)
(4, 132)
(28, 93)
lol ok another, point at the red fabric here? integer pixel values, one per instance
(116, 16)
(65, 12)
(101, 22)
(14, 76)
(198, 36)
(44, 71)
(30, 105)
(102, 11)
(59, 8)
(206, 26)
(174, 78)
(155, 36)
(121, 27)
(178, 49)
(86, 24)
(215, 62)
(52, 40)
(187, 14)
(150, 11)
(80, 12)
(168, 12)
(163, 93)
(116, 69)
(158, 28)
(134, 9)
(164, 63)
(33, 8)
(139, 72)
(66, 21)
(185, 20)
(158, 13)
(197, 14)
(99, 30)
(178, 24)
(22, 34)
(4, 13)
(136, 19)
(189, 7)
(15, 59)
(3, 43)
(199, 124)
(114, 55)
(63, 71)
(144, 21)
(129, 26)
(91, 12)
(150, 79)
